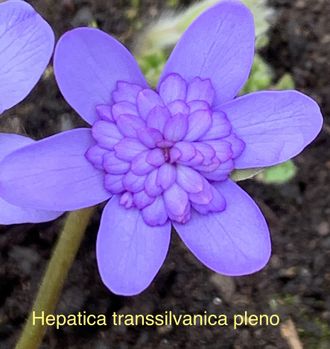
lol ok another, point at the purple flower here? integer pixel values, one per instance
(26, 45)
(164, 157)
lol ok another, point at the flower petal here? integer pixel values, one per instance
(218, 46)
(88, 63)
(129, 252)
(53, 174)
(26, 45)
(233, 242)
(275, 126)
(11, 214)
(172, 88)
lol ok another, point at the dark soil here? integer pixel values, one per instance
(296, 282)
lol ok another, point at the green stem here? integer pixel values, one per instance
(55, 276)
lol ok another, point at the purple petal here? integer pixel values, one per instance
(129, 125)
(186, 149)
(104, 112)
(11, 214)
(155, 157)
(95, 155)
(220, 127)
(133, 183)
(219, 46)
(221, 172)
(217, 204)
(126, 200)
(149, 136)
(140, 166)
(88, 63)
(114, 183)
(200, 90)
(128, 148)
(237, 145)
(172, 88)
(151, 186)
(176, 127)
(155, 214)
(10, 142)
(126, 92)
(198, 105)
(203, 197)
(129, 252)
(275, 126)
(233, 242)
(158, 117)
(222, 149)
(53, 174)
(124, 108)
(166, 176)
(177, 107)
(189, 180)
(106, 134)
(176, 201)
(147, 100)
(199, 122)
(206, 150)
(114, 165)
(26, 45)
(142, 199)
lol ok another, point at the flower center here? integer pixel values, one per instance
(163, 151)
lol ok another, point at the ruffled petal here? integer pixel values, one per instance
(129, 252)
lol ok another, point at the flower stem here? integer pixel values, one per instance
(52, 284)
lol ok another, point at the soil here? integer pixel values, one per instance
(296, 282)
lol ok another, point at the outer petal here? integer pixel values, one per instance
(232, 242)
(275, 126)
(88, 63)
(53, 174)
(129, 252)
(10, 214)
(26, 45)
(218, 46)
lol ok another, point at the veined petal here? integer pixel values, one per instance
(275, 126)
(218, 46)
(88, 63)
(129, 252)
(53, 174)
(11, 214)
(172, 88)
(26, 45)
(232, 242)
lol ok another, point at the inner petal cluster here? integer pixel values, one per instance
(161, 151)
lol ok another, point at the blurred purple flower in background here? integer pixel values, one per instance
(26, 45)
(164, 156)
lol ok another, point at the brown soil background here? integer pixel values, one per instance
(296, 282)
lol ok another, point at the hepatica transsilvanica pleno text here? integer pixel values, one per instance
(164, 157)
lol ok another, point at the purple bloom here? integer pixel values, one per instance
(26, 45)
(164, 157)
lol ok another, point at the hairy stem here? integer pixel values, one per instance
(55, 276)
